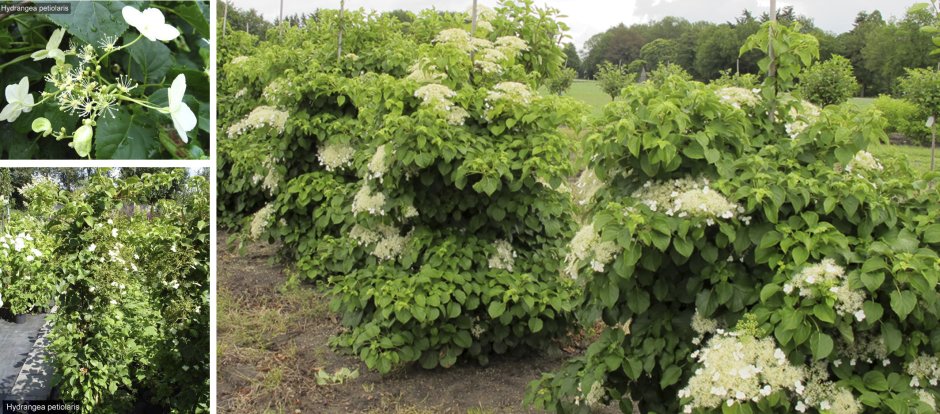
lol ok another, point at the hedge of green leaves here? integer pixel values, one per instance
(107, 80)
(128, 273)
(746, 266)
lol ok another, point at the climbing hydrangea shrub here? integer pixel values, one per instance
(805, 282)
(420, 165)
(26, 279)
(107, 80)
(133, 294)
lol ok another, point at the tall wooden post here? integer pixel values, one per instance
(473, 19)
(224, 17)
(339, 50)
(772, 69)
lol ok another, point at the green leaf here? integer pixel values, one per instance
(535, 324)
(872, 281)
(496, 309)
(903, 303)
(824, 313)
(873, 311)
(932, 234)
(821, 344)
(92, 21)
(149, 60)
(192, 14)
(892, 336)
(875, 380)
(125, 136)
(670, 376)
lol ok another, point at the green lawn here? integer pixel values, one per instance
(917, 157)
(589, 92)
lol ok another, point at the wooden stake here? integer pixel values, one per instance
(224, 17)
(339, 50)
(473, 19)
(772, 70)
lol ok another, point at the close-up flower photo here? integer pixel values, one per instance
(105, 80)
(104, 289)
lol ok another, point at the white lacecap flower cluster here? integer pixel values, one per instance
(458, 38)
(828, 279)
(423, 71)
(439, 97)
(387, 241)
(276, 90)
(22, 242)
(738, 97)
(869, 348)
(587, 185)
(739, 369)
(924, 369)
(335, 156)
(238, 60)
(503, 257)
(513, 92)
(366, 201)
(825, 395)
(585, 245)
(686, 197)
(865, 161)
(702, 326)
(260, 221)
(801, 116)
(409, 212)
(258, 118)
(377, 164)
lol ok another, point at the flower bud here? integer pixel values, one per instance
(42, 126)
(82, 141)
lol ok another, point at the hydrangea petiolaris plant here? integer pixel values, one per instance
(133, 294)
(746, 266)
(422, 179)
(107, 80)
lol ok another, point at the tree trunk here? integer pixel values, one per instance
(224, 18)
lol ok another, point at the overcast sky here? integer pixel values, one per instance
(588, 17)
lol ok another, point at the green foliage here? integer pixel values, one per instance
(560, 84)
(792, 52)
(663, 72)
(420, 176)
(132, 294)
(740, 80)
(830, 82)
(90, 85)
(613, 78)
(903, 117)
(810, 245)
(922, 87)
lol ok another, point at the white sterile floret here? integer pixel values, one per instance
(864, 160)
(150, 23)
(52, 50)
(739, 369)
(514, 92)
(260, 117)
(260, 221)
(738, 97)
(458, 38)
(19, 100)
(503, 257)
(335, 156)
(366, 201)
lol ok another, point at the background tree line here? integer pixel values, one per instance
(878, 49)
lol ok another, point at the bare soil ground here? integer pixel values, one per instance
(272, 342)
